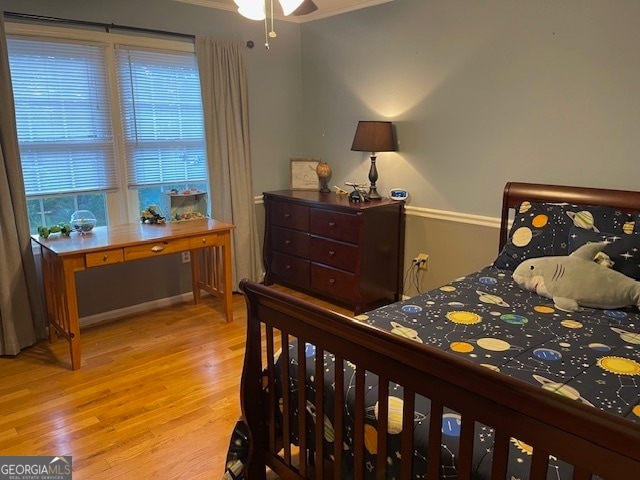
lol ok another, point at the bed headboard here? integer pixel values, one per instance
(517, 192)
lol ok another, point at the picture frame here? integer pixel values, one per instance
(303, 174)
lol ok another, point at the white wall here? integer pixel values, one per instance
(481, 92)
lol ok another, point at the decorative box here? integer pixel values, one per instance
(185, 205)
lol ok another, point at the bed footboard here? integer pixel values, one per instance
(593, 442)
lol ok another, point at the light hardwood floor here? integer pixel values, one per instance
(157, 395)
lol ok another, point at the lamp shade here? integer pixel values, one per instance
(373, 136)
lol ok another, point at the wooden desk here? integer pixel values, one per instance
(209, 242)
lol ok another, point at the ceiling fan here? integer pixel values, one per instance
(305, 8)
(257, 9)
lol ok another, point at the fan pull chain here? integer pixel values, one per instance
(266, 36)
(272, 33)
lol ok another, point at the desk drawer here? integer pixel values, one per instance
(206, 240)
(106, 257)
(339, 226)
(161, 247)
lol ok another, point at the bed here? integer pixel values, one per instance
(476, 379)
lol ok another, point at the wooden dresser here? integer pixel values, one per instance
(322, 243)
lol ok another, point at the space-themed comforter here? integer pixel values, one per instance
(591, 356)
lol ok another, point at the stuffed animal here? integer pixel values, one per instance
(576, 280)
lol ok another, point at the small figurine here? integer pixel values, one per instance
(359, 193)
(152, 215)
(63, 228)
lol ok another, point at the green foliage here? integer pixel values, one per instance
(63, 228)
(58, 209)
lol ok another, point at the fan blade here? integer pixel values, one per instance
(306, 7)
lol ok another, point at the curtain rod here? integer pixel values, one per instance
(107, 26)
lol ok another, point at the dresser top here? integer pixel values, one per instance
(333, 199)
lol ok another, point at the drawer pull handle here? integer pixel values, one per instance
(204, 240)
(287, 215)
(105, 257)
(157, 248)
(332, 253)
(287, 242)
(332, 224)
(288, 267)
(332, 281)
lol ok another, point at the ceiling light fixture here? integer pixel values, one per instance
(251, 9)
(257, 10)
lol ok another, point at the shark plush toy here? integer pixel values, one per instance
(576, 280)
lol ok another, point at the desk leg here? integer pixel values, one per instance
(214, 274)
(49, 279)
(195, 274)
(72, 311)
(62, 304)
(227, 268)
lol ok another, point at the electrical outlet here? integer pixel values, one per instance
(186, 257)
(423, 261)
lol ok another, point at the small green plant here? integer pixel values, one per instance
(63, 228)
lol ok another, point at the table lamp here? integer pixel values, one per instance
(374, 136)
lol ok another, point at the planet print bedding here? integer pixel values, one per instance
(591, 356)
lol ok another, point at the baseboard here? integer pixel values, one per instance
(135, 309)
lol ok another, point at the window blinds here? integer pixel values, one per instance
(63, 116)
(162, 119)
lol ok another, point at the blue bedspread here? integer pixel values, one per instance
(591, 356)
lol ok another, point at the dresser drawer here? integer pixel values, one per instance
(336, 254)
(290, 269)
(339, 226)
(156, 249)
(288, 241)
(105, 257)
(289, 215)
(334, 282)
(206, 240)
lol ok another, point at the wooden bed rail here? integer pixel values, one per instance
(594, 442)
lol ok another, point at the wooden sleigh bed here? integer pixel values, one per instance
(559, 432)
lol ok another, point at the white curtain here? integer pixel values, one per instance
(223, 80)
(22, 319)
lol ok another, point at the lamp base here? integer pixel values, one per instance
(373, 193)
(373, 178)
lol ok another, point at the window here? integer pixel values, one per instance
(64, 125)
(162, 117)
(104, 123)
